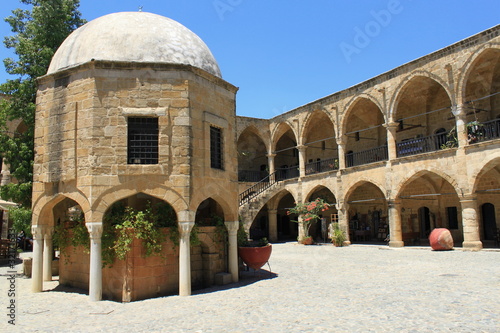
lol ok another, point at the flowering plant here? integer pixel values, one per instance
(309, 212)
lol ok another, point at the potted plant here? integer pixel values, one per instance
(337, 235)
(254, 254)
(309, 211)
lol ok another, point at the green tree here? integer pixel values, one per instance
(37, 35)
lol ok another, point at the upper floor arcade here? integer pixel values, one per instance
(446, 103)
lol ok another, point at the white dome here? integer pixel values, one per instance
(134, 37)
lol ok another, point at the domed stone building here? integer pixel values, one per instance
(134, 110)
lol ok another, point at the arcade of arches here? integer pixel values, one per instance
(411, 150)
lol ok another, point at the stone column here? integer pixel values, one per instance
(37, 264)
(472, 240)
(186, 224)
(5, 174)
(95, 274)
(47, 253)
(185, 258)
(302, 160)
(341, 141)
(232, 229)
(460, 120)
(273, 225)
(391, 139)
(301, 228)
(395, 229)
(343, 222)
(270, 161)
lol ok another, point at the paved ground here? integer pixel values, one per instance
(314, 289)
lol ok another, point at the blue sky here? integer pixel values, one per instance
(286, 53)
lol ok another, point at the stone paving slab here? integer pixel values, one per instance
(313, 289)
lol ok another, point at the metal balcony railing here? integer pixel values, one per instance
(421, 145)
(251, 176)
(488, 130)
(322, 166)
(287, 173)
(367, 156)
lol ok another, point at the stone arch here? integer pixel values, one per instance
(429, 200)
(364, 133)
(44, 206)
(215, 192)
(492, 162)
(400, 89)
(350, 106)
(113, 194)
(366, 212)
(415, 174)
(255, 130)
(360, 182)
(281, 129)
(253, 164)
(310, 118)
(319, 137)
(469, 66)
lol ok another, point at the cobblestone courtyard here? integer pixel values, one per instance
(314, 288)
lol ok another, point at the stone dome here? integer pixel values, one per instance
(134, 37)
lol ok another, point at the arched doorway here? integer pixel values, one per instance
(489, 221)
(424, 218)
(367, 213)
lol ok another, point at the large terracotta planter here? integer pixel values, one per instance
(255, 257)
(441, 239)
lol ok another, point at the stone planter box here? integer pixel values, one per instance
(138, 277)
(28, 263)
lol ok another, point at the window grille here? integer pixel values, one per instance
(142, 140)
(216, 148)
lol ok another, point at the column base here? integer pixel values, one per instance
(347, 243)
(472, 246)
(396, 244)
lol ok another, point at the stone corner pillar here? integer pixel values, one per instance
(37, 265)
(185, 223)
(232, 229)
(343, 221)
(273, 224)
(395, 229)
(95, 274)
(47, 253)
(472, 240)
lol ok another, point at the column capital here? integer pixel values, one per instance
(185, 227)
(37, 231)
(391, 125)
(458, 110)
(48, 231)
(301, 148)
(341, 140)
(395, 203)
(95, 229)
(186, 216)
(271, 155)
(232, 226)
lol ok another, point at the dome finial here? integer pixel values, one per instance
(140, 8)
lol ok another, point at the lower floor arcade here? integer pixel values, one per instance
(395, 204)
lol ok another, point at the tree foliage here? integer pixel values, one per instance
(37, 35)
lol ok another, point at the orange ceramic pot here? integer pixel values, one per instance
(441, 239)
(255, 257)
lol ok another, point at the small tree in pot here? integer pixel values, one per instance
(309, 211)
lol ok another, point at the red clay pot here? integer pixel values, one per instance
(255, 257)
(441, 239)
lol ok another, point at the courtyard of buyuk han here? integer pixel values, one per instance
(141, 117)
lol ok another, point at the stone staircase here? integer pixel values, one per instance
(256, 196)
